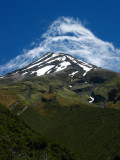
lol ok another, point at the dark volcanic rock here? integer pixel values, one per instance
(97, 80)
(86, 89)
(98, 98)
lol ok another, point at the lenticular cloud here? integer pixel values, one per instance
(69, 36)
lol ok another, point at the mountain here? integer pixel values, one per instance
(69, 100)
(52, 63)
(80, 78)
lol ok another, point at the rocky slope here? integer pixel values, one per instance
(51, 63)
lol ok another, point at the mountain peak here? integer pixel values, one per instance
(52, 63)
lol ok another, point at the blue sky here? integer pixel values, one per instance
(23, 22)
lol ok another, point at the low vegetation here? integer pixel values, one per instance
(20, 142)
(57, 107)
(92, 132)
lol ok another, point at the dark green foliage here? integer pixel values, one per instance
(20, 142)
(114, 95)
(92, 132)
(98, 98)
(116, 158)
(50, 89)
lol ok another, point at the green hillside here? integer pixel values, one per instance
(20, 142)
(101, 83)
(92, 132)
(54, 109)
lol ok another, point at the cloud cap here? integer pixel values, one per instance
(69, 36)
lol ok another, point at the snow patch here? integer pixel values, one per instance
(71, 58)
(43, 70)
(85, 63)
(72, 74)
(58, 59)
(46, 55)
(55, 54)
(62, 66)
(92, 99)
(15, 73)
(37, 64)
(1, 77)
(24, 73)
(85, 68)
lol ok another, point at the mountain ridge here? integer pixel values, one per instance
(51, 63)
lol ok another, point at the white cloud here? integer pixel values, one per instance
(69, 36)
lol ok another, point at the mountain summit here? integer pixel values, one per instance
(52, 63)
